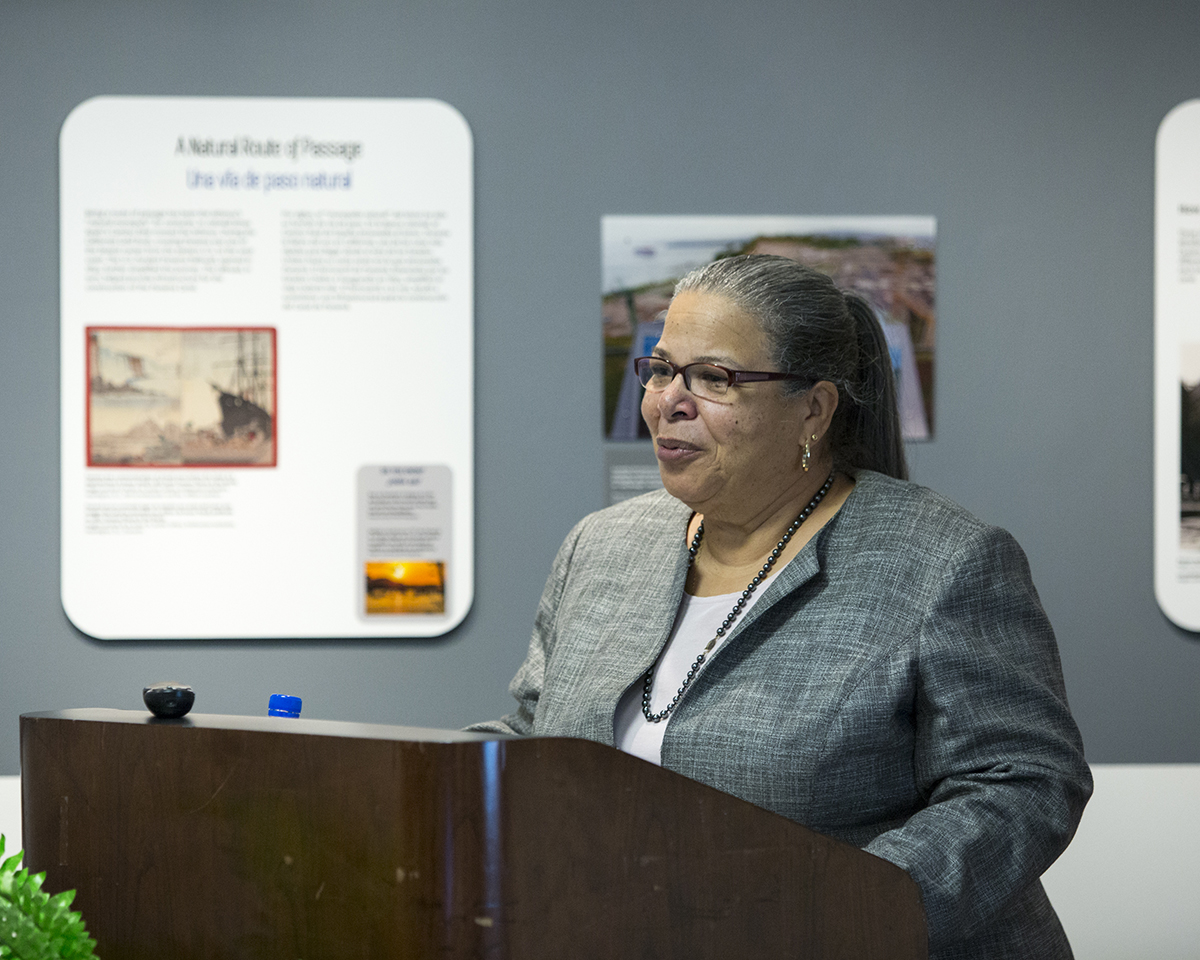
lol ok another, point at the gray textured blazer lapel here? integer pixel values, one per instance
(620, 621)
(802, 568)
(657, 605)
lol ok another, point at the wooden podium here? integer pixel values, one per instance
(265, 838)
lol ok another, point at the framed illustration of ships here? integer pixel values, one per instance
(181, 397)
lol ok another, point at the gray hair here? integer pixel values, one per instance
(817, 332)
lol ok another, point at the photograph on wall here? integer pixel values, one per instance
(1189, 448)
(889, 261)
(181, 397)
(257, 297)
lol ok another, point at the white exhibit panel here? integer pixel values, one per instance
(1177, 365)
(267, 368)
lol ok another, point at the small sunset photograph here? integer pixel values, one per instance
(405, 586)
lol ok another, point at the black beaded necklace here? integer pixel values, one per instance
(648, 680)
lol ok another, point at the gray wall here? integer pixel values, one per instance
(1026, 129)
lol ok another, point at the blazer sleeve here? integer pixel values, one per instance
(526, 686)
(997, 755)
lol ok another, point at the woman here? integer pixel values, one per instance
(794, 623)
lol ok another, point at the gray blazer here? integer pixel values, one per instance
(897, 686)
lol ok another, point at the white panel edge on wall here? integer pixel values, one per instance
(258, 299)
(1176, 361)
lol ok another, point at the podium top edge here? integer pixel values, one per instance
(320, 728)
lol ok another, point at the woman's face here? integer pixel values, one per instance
(734, 458)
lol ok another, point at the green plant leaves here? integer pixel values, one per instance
(35, 925)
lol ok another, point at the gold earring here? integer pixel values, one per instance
(804, 461)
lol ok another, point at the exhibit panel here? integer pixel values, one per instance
(267, 367)
(1177, 366)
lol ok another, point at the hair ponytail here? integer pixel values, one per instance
(873, 423)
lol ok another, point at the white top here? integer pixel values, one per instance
(695, 624)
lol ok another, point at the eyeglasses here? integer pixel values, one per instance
(707, 380)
